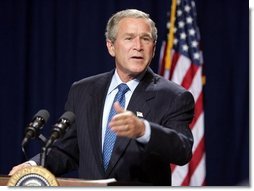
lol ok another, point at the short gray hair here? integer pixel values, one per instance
(111, 28)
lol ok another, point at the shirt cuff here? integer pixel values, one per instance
(31, 162)
(146, 137)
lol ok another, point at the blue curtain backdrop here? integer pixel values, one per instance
(46, 45)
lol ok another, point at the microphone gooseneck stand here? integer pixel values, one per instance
(41, 137)
(45, 149)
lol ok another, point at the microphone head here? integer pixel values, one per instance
(32, 131)
(60, 128)
(43, 113)
(69, 116)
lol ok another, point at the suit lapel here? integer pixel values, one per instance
(97, 103)
(138, 103)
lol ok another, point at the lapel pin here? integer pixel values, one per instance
(139, 114)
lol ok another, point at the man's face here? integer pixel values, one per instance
(133, 48)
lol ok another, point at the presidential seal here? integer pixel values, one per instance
(33, 176)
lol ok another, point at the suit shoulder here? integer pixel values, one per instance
(92, 79)
(172, 91)
(168, 85)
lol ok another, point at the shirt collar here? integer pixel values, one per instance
(132, 84)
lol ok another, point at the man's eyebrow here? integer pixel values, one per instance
(129, 34)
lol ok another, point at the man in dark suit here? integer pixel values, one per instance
(151, 127)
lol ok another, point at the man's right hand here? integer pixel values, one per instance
(18, 167)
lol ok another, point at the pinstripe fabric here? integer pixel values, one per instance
(171, 139)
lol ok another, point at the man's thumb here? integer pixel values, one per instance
(118, 107)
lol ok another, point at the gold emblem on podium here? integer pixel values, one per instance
(33, 176)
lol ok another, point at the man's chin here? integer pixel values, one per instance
(137, 71)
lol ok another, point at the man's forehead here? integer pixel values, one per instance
(134, 23)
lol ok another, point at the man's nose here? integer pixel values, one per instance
(138, 44)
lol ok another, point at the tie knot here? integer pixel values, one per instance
(123, 88)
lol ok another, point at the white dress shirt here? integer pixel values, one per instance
(112, 91)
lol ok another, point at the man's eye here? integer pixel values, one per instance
(147, 39)
(128, 38)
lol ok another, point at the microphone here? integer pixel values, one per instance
(32, 131)
(59, 129)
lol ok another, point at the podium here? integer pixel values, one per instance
(66, 182)
(39, 176)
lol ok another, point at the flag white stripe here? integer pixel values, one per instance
(198, 176)
(179, 174)
(182, 66)
(198, 131)
(196, 86)
(166, 74)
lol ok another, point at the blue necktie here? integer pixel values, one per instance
(110, 136)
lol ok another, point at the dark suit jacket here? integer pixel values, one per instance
(166, 106)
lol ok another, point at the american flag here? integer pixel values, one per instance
(182, 63)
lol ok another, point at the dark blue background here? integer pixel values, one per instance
(45, 45)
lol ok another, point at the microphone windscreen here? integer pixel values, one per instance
(68, 115)
(42, 113)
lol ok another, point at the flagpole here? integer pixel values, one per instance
(170, 38)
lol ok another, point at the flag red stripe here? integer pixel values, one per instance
(204, 183)
(197, 110)
(196, 158)
(172, 166)
(186, 180)
(187, 80)
(175, 58)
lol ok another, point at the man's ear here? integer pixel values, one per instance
(111, 48)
